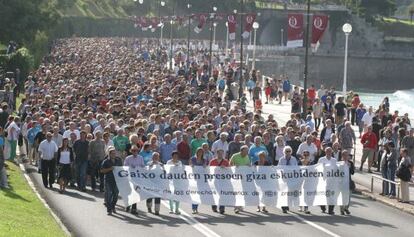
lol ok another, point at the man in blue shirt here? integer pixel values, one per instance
(255, 149)
(167, 148)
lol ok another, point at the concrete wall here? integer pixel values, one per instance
(364, 73)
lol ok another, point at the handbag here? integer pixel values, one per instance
(403, 173)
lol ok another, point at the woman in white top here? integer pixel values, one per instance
(279, 146)
(174, 205)
(64, 159)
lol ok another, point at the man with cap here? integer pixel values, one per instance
(111, 190)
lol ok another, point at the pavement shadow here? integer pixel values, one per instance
(78, 196)
(148, 220)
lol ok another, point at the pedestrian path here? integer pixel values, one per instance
(281, 113)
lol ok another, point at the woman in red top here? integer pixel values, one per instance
(219, 161)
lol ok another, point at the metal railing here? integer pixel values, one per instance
(398, 184)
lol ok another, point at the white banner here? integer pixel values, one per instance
(237, 186)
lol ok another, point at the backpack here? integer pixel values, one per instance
(403, 173)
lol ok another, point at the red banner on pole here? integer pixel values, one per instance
(319, 25)
(295, 30)
(231, 25)
(202, 18)
(248, 25)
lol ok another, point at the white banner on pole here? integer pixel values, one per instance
(242, 186)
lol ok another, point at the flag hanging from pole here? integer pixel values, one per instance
(202, 18)
(248, 25)
(319, 25)
(231, 25)
(295, 30)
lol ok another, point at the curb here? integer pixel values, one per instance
(375, 197)
(32, 186)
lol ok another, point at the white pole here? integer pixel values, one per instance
(227, 40)
(345, 64)
(214, 34)
(250, 39)
(254, 50)
(281, 37)
(161, 34)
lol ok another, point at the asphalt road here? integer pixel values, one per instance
(85, 215)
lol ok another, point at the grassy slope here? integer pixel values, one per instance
(93, 8)
(21, 212)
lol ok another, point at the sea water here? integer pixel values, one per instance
(401, 100)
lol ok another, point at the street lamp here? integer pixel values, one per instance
(141, 2)
(161, 24)
(162, 27)
(347, 29)
(171, 44)
(188, 33)
(214, 32)
(255, 27)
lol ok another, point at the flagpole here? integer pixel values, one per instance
(241, 50)
(305, 71)
(171, 38)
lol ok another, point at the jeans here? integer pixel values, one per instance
(353, 116)
(111, 195)
(391, 176)
(385, 185)
(94, 169)
(81, 169)
(13, 146)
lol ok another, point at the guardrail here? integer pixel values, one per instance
(398, 184)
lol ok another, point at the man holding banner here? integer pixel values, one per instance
(111, 189)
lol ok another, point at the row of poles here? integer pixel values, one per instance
(213, 24)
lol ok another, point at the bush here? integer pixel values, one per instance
(21, 59)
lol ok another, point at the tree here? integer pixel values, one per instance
(22, 19)
(378, 7)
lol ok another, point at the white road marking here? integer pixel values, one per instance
(314, 225)
(194, 223)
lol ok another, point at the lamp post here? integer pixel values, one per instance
(214, 32)
(281, 37)
(255, 27)
(305, 71)
(188, 34)
(241, 50)
(347, 29)
(162, 27)
(227, 39)
(171, 43)
(210, 56)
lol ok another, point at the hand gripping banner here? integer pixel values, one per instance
(237, 186)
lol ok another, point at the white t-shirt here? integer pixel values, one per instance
(64, 157)
(47, 149)
(367, 118)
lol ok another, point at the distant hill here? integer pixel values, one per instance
(93, 8)
(403, 8)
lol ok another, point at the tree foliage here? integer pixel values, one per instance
(22, 19)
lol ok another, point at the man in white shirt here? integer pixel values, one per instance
(328, 159)
(309, 146)
(72, 129)
(47, 150)
(221, 144)
(367, 118)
